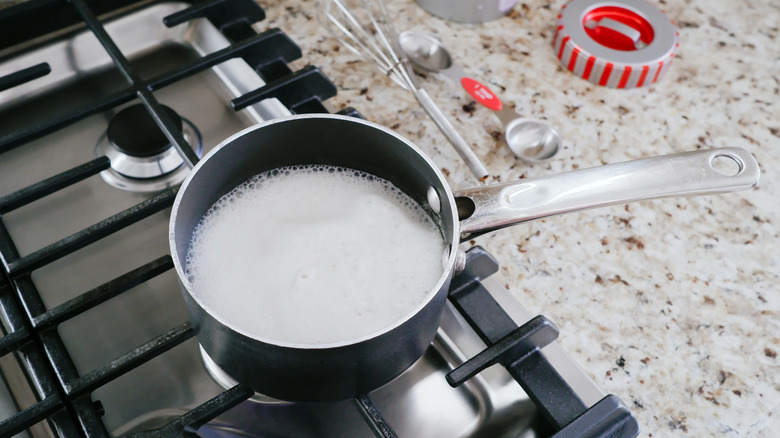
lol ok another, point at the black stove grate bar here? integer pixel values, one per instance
(61, 363)
(8, 251)
(19, 333)
(27, 418)
(279, 49)
(50, 185)
(160, 116)
(103, 293)
(273, 37)
(91, 234)
(88, 414)
(199, 10)
(58, 357)
(516, 346)
(33, 132)
(373, 417)
(292, 90)
(32, 359)
(13, 340)
(550, 392)
(492, 318)
(128, 361)
(24, 75)
(608, 418)
(351, 112)
(233, 17)
(188, 423)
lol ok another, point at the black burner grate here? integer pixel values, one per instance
(518, 349)
(64, 395)
(31, 328)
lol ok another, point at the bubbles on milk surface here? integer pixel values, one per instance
(314, 254)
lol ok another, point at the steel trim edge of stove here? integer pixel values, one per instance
(32, 340)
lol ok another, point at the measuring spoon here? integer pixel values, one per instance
(531, 140)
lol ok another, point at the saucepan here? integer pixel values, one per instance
(341, 370)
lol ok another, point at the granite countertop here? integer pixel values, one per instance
(673, 304)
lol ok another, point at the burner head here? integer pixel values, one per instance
(142, 158)
(225, 381)
(132, 131)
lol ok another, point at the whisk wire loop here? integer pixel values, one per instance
(364, 27)
(373, 46)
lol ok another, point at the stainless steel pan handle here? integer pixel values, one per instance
(686, 174)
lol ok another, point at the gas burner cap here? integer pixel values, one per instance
(227, 382)
(132, 131)
(616, 43)
(142, 158)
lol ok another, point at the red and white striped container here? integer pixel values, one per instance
(617, 44)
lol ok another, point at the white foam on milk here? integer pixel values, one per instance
(314, 254)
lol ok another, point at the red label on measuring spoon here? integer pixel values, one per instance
(481, 93)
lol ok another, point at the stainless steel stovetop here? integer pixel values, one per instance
(154, 392)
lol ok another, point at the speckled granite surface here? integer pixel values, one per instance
(672, 305)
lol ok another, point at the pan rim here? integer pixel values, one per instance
(448, 266)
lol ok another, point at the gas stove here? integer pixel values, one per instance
(105, 107)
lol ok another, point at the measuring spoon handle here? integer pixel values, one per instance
(472, 160)
(479, 91)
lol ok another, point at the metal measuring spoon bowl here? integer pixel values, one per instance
(425, 52)
(531, 140)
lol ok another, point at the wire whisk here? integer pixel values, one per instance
(364, 27)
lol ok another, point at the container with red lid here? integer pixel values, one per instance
(617, 44)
